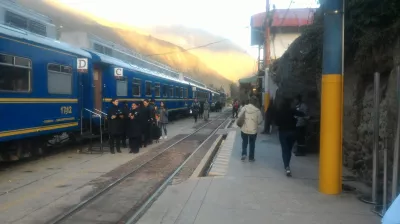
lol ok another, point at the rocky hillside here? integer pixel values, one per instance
(73, 19)
(372, 44)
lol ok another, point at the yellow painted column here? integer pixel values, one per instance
(330, 168)
(330, 163)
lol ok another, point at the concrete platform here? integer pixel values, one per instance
(259, 192)
(37, 191)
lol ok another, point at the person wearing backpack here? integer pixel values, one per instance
(248, 120)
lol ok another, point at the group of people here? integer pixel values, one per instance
(200, 110)
(291, 121)
(141, 123)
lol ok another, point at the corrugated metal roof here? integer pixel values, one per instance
(285, 18)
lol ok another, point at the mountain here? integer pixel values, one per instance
(186, 61)
(225, 57)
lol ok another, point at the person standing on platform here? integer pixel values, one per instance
(195, 109)
(269, 117)
(206, 110)
(286, 122)
(301, 127)
(163, 119)
(146, 122)
(134, 130)
(116, 125)
(235, 109)
(252, 117)
(153, 120)
(125, 111)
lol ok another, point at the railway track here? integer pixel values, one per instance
(130, 189)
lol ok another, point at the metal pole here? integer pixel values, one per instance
(396, 142)
(375, 162)
(385, 160)
(330, 165)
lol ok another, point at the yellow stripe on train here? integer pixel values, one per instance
(36, 129)
(37, 100)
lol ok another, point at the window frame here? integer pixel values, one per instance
(165, 90)
(181, 96)
(19, 66)
(139, 85)
(145, 87)
(72, 79)
(127, 87)
(171, 90)
(177, 91)
(157, 84)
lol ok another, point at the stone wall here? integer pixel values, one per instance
(295, 73)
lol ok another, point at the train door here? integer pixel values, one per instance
(97, 82)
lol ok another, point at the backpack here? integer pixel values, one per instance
(240, 120)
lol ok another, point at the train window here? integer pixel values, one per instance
(157, 90)
(177, 92)
(194, 94)
(181, 95)
(16, 20)
(14, 77)
(136, 87)
(59, 81)
(122, 87)
(165, 90)
(171, 91)
(6, 59)
(148, 88)
(186, 93)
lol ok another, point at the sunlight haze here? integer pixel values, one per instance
(228, 19)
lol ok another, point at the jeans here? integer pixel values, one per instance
(248, 138)
(163, 126)
(287, 139)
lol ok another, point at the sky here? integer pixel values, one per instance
(226, 18)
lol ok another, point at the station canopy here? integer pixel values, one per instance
(249, 80)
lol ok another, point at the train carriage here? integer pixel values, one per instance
(39, 93)
(127, 82)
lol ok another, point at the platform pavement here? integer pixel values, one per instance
(257, 192)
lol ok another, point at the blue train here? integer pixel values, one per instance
(48, 87)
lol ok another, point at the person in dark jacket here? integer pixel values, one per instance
(195, 109)
(201, 110)
(146, 122)
(163, 118)
(116, 125)
(134, 131)
(125, 111)
(153, 120)
(269, 117)
(286, 121)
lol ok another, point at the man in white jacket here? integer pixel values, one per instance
(253, 118)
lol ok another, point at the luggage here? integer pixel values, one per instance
(156, 131)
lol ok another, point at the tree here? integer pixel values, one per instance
(234, 90)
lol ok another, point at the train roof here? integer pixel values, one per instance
(117, 62)
(53, 43)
